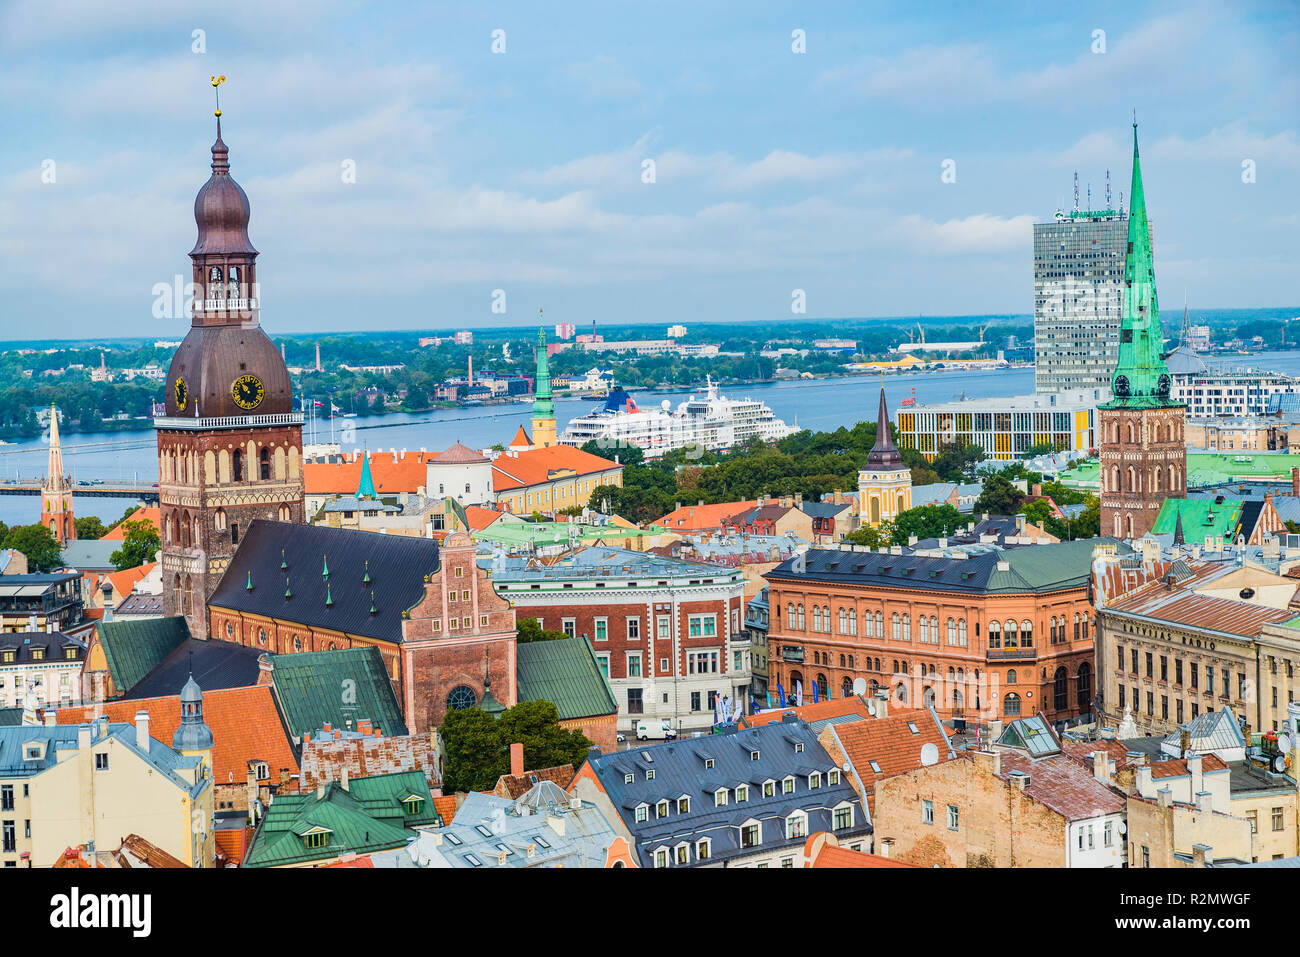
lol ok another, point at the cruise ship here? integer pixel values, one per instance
(711, 422)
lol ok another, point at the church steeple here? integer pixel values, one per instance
(366, 487)
(1141, 377)
(544, 430)
(56, 489)
(884, 454)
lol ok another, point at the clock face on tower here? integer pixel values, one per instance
(1121, 385)
(1162, 385)
(182, 393)
(248, 392)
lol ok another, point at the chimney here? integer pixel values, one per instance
(1143, 780)
(320, 791)
(517, 759)
(1037, 489)
(51, 717)
(798, 499)
(84, 738)
(1101, 765)
(990, 762)
(142, 731)
(1204, 802)
(1202, 855)
(886, 847)
(1194, 769)
(882, 705)
(1165, 797)
(1019, 780)
(344, 780)
(995, 730)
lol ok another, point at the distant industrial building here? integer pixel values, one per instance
(1078, 285)
(1005, 428)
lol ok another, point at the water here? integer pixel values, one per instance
(819, 404)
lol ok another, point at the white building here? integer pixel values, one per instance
(1214, 391)
(462, 474)
(1005, 428)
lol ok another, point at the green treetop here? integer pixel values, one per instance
(1141, 378)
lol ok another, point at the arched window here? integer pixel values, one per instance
(995, 634)
(1061, 689)
(952, 631)
(1026, 634)
(790, 617)
(898, 627)
(901, 692)
(925, 629)
(1011, 676)
(853, 621)
(958, 700)
(928, 697)
(461, 697)
(844, 621)
(817, 618)
(1076, 626)
(877, 664)
(1085, 687)
(846, 687)
(232, 287)
(802, 625)
(1011, 706)
(822, 685)
(907, 627)
(265, 460)
(1052, 628)
(880, 624)
(1009, 637)
(961, 632)
(237, 466)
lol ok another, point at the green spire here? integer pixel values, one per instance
(372, 603)
(284, 564)
(288, 593)
(366, 487)
(1141, 378)
(329, 597)
(249, 586)
(325, 568)
(366, 581)
(543, 405)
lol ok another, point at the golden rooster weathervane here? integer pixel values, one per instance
(216, 84)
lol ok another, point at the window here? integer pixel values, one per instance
(101, 761)
(649, 774)
(720, 797)
(317, 839)
(927, 812)
(634, 629)
(634, 665)
(661, 857)
(833, 777)
(702, 662)
(787, 785)
(642, 811)
(602, 629)
(796, 825)
(695, 701)
(953, 817)
(769, 789)
(1253, 818)
(1011, 705)
(842, 818)
(749, 835)
(664, 627)
(569, 626)
(742, 793)
(10, 838)
(1146, 856)
(1278, 824)
(702, 848)
(661, 809)
(1108, 834)
(702, 626)
(602, 661)
(7, 797)
(683, 805)
(815, 780)
(635, 705)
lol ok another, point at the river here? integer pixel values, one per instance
(821, 404)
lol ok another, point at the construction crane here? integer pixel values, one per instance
(922, 332)
(982, 328)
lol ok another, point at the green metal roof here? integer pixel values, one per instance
(315, 687)
(1205, 469)
(564, 671)
(1201, 517)
(133, 648)
(369, 815)
(543, 404)
(1048, 567)
(557, 533)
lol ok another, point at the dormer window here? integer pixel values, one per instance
(683, 805)
(413, 805)
(661, 809)
(815, 779)
(742, 793)
(629, 778)
(798, 748)
(708, 764)
(720, 797)
(769, 788)
(753, 755)
(649, 774)
(833, 777)
(787, 785)
(642, 813)
(316, 839)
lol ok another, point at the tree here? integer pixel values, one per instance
(926, 521)
(956, 463)
(140, 544)
(1039, 511)
(999, 496)
(478, 748)
(529, 629)
(39, 545)
(881, 535)
(89, 526)
(628, 454)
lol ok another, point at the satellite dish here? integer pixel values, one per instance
(860, 686)
(1284, 742)
(1122, 828)
(665, 405)
(847, 767)
(929, 754)
(871, 708)
(1279, 763)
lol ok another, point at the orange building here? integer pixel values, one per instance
(977, 632)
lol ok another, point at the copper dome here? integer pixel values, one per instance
(221, 209)
(212, 358)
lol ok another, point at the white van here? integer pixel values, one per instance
(657, 730)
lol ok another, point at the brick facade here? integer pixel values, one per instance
(1143, 455)
(363, 753)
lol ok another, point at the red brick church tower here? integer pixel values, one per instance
(56, 490)
(230, 443)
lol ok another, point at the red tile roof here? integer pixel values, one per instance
(1059, 783)
(124, 581)
(1177, 767)
(514, 470)
(117, 533)
(698, 517)
(480, 517)
(149, 853)
(352, 860)
(460, 454)
(233, 842)
(446, 807)
(244, 721)
(842, 857)
(521, 438)
(890, 743)
(407, 474)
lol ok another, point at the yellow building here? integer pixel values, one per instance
(65, 786)
(550, 479)
(885, 485)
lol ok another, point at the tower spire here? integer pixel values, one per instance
(884, 454)
(544, 430)
(56, 489)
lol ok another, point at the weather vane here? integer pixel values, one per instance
(216, 84)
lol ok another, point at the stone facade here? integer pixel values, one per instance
(1143, 455)
(365, 752)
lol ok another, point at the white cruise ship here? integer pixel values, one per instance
(711, 422)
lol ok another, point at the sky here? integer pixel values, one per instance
(523, 178)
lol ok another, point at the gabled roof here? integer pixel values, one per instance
(367, 815)
(133, 648)
(118, 532)
(407, 474)
(564, 671)
(515, 470)
(891, 745)
(1059, 783)
(307, 690)
(1210, 731)
(521, 438)
(244, 723)
(698, 517)
(124, 582)
(89, 554)
(395, 564)
(213, 664)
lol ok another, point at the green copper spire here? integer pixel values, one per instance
(543, 406)
(366, 487)
(1141, 378)
(249, 586)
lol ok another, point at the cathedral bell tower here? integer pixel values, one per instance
(1143, 450)
(229, 443)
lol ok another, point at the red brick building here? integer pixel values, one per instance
(977, 632)
(668, 634)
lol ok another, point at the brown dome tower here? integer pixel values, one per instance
(230, 443)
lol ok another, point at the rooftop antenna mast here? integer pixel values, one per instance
(1090, 197)
(1108, 206)
(1076, 190)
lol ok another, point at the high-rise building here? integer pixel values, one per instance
(1143, 448)
(229, 441)
(1078, 293)
(56, 490)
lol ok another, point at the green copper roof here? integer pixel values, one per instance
(371, 814)
(543, 405)
(315, 687)
(1201, 517)
(133, 648)
(564, 671)
(1141, 379)
(366, 487)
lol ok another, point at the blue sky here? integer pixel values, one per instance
(522, 171)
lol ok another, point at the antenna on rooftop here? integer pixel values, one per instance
(1108, 206)
(1089, 197)
(1076, 190)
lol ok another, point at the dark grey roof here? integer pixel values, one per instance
(54, 644)
(213, 664)
(396, 564)
(138, 604)
(679, 768)
(823, 509)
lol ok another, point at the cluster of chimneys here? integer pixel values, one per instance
(365, 728)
